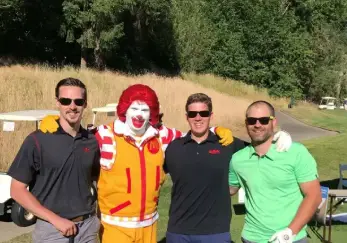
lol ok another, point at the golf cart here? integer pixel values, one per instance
(343, 104)
(328, 103)
(110, 109)
(19, 215)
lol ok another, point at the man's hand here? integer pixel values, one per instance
(20, 194)
(49, 124)
(283, 141)
(65, 226)
(283, 236)
(225, 135)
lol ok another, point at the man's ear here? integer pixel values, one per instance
(274, 124)
(57, 102)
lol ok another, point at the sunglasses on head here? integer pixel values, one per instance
(67, 101)
(192, 114)
(262, 120)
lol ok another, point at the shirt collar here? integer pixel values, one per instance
(211, 138)
(271, 154)
(81, 133)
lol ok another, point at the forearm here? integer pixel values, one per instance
(30, 203)
(233, 190)
(305, 212)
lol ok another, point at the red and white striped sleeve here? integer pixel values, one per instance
(107, 145)
(167, 135)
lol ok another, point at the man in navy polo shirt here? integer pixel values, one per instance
(200, 209)
(61, 167)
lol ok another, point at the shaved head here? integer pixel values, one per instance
(261, 103)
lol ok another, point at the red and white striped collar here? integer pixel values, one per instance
(122, 129)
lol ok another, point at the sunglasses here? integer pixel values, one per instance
(262, 120)
(192, 114)
(67, 101)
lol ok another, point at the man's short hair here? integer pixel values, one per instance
(270, 107)
(71, 82)
(199, 98)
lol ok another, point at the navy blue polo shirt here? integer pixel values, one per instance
(200, 199)
(59, 169)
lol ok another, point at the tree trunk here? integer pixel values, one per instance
(83, 63)
(99, 60)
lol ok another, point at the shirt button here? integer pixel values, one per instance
(197, 152)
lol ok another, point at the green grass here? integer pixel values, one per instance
(310, 114)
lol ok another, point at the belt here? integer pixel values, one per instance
(82, 217)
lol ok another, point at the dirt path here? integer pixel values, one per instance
(299, 130)
(8, 230)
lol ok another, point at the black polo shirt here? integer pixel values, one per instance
(200, 200)
(60, 168)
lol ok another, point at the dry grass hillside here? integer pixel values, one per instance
(32, 87)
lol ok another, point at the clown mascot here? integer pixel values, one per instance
(132, 167)
(132, 156)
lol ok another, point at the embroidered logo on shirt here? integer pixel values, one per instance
(86, 149)
(214, 151)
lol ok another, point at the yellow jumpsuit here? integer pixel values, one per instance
(128, 190)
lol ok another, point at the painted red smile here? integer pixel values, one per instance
(138, 123)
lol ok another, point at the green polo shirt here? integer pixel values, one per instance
(271, 184)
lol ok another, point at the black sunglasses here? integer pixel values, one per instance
(67, 101)
(192, 114)
(262, 120)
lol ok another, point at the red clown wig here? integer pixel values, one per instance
(142, 93)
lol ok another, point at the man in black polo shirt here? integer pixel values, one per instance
(200, 209)
(60, 167)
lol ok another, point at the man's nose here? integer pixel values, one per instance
(198, 117)
(258, 124)
(72, 105)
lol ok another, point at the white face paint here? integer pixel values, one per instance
(137, 117)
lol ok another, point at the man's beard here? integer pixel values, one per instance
(257, 140)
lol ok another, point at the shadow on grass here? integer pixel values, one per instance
(239, 209)
(162, 240)
(332, 184)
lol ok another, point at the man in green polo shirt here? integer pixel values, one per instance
(282, 191)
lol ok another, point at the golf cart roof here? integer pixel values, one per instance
(108, 108)
(27, 115)
(327, 97)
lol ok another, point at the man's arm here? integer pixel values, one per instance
(21, 195)
(234, 184)
(306, 174)
(312, 199)
(233, 190)
(22, 170)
